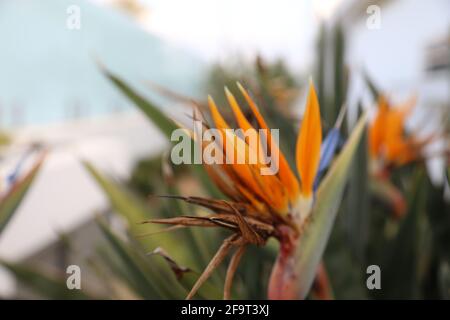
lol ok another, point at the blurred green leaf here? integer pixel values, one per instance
(124, 202)
(331, 73)
(340, 74)
(202, 243)
(346, 251)
(391, 198)
(255, 266)
(444, 279)
(166, 125)
(437, 280)
(314, 238)
(371, 84)
(400, 257)
(346, 272)
(188, 277)
(11, 201)
(133, 209)
(44, 285)
(356, 216)
(149, 279)
(439, 218)
(151, 276)
(320, 64)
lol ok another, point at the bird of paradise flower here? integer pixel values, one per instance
(263, 206)
(392, 146)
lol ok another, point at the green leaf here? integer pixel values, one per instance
(389, 195)
(133, 209)
(346, 273)
(166, 125)
(313, 240)
(448, 176)
(356, 216)
(340, 74)
(400, 256)
(202, 243)
(188, 278)
(150, 278)
(150, 275)
(124, 202)
(255, 265)
(372, 87)
(444, 279)
(11, 201)
(45, 285)
(438, 209)
(321, 53)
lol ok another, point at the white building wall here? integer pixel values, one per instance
(394, 55)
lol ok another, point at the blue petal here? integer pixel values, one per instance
(328, 149)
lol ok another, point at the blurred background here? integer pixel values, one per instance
(53, 94)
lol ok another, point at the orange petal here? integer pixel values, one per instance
(248, 174)
(308, 143)
(267, 187)
(285, 173)
(222, 181)
(262, 123)
(394, 140)
(240, 118)
(219, 121)
(244, 124)
(259, 206)
(378, 127)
